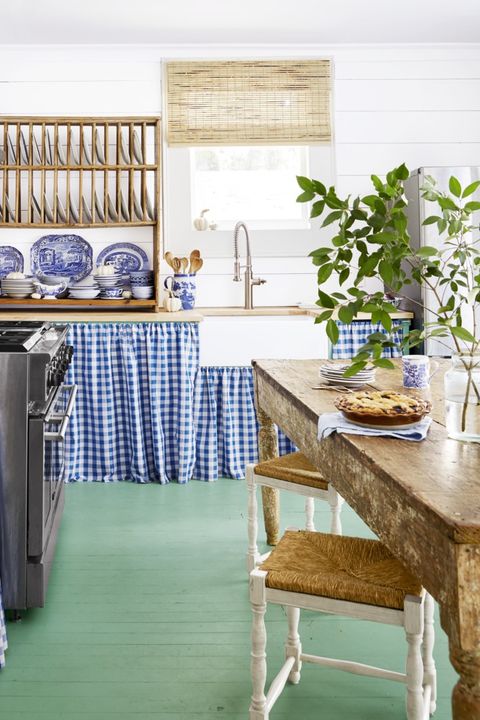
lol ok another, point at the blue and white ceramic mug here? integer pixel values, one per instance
(416, 371)
(184, 287)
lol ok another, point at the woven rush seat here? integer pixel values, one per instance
(294, 468)
(291, 473)
(339, 567)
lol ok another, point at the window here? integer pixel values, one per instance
(256, 184)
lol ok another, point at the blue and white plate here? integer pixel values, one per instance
(65, 255)
(11, 260)
(126, 257)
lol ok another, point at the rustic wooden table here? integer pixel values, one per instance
(421, 499)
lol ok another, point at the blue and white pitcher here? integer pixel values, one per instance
(184, 287)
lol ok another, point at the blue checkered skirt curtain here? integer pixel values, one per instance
(3, 633)
(134, 412)
(353, 336)
(225, 423)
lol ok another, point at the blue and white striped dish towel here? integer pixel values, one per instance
(329, 423)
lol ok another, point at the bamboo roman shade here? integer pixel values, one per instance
(277, 102)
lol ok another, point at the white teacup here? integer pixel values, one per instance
(418, 370)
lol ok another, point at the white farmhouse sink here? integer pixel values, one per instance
(238, 340)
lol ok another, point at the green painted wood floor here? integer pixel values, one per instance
(148, 618)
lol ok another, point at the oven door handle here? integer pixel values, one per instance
(63, 419)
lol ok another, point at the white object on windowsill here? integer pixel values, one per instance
(201, 223)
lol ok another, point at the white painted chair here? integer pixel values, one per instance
(293, 473)
(346, 576)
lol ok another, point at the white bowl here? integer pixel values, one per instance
(82, 288)
(88, 281)
(18, 281)
(90, 295)
(142, 293)
(18, 288)
(104, 279)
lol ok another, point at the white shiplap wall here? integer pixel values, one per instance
(39, 84)
(393, 104)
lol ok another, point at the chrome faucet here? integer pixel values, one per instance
(250, 281)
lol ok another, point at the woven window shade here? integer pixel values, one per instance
(246, 103)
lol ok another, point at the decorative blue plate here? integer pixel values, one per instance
(126, 257)
(11, 260)
(65, 255)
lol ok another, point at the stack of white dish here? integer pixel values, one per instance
(108, 281)
(332, 374)
(17, 287)
(111, 286)
(86, 289)
(142, 292)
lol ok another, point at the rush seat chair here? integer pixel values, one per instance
(291, 473)
(346, 576)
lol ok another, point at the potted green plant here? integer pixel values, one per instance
(371, 239)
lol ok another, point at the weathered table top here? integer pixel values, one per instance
(421, 499)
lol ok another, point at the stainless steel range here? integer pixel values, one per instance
(35, 407)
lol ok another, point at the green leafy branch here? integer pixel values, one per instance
(371, 239)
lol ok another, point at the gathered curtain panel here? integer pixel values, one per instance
(353, 336)
(3, 633)
(226, 424)
(146, 412)
(133, 417)
(266, 102)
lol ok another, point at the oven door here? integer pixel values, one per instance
(46, 469)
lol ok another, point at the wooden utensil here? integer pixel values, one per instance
(194, 254)
(177, 265)
(184, 264)
(169, 258)
(196, 264)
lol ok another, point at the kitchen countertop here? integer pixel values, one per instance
(101, 316)
(196, 315)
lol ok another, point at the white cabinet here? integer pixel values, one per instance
(238, 340)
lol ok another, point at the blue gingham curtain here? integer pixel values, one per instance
(353, 336)
(225, 423)
(134, 412)
(3, 633)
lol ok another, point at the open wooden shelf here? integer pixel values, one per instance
(56, 169)
(107, 304)
(70, 226)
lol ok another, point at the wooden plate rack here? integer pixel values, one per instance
(81, 172)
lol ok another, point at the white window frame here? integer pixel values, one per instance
(266, 223)
(180, 235)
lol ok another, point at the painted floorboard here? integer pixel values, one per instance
(148, 619)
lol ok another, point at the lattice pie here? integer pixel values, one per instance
(382, 407)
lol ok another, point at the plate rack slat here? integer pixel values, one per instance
(81, 172)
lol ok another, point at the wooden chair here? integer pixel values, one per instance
(293, 473)
(344, 576)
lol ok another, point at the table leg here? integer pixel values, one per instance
(466, 693)
(268, 449)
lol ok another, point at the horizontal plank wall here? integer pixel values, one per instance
(418, 104)
(415, 105)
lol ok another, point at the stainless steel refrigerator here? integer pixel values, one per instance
(418, 209)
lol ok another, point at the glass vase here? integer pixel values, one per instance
(462, 397)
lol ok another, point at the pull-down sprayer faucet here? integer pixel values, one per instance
(250, 281)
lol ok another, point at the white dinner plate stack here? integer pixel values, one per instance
(86, 289)
(332, 374)
(17, 287)
(108, 281)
